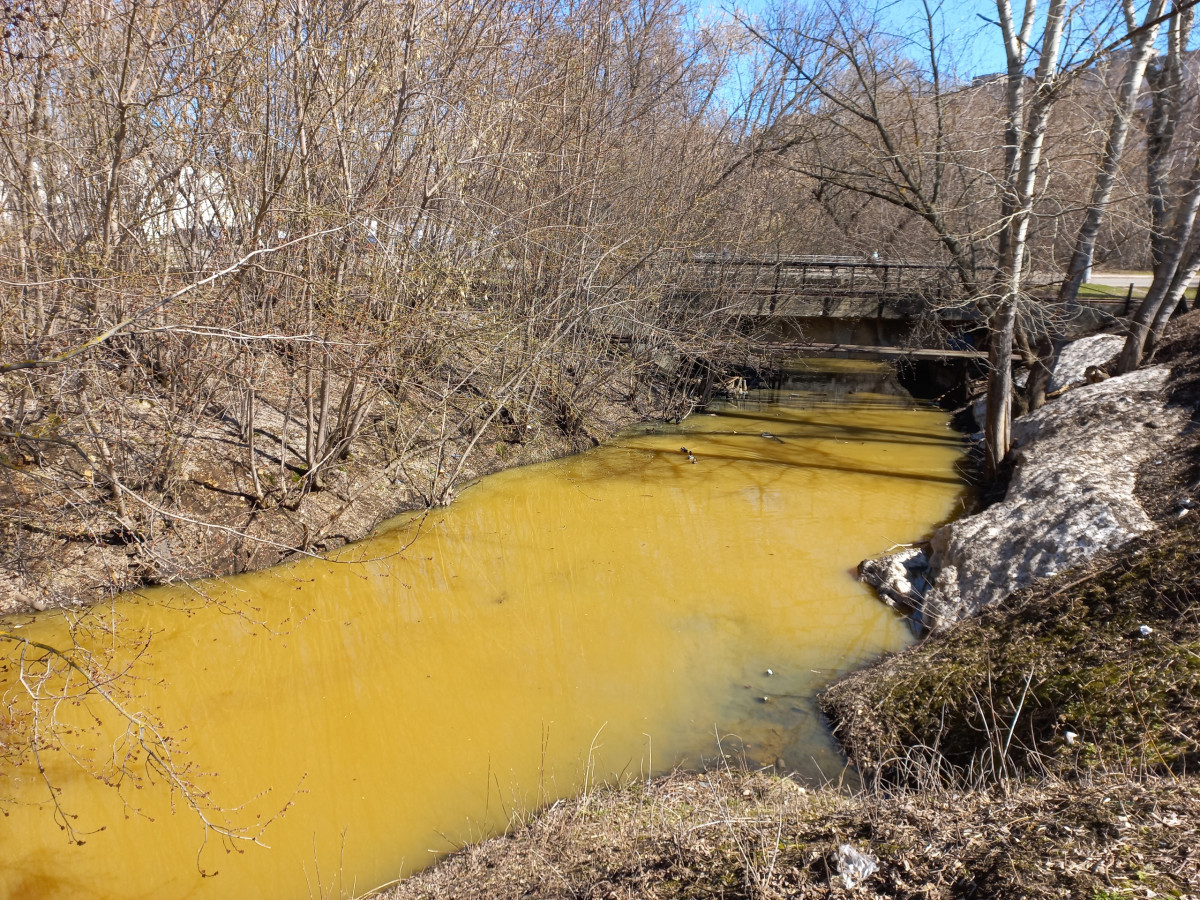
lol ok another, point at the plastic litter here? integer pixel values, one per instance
(854, 866)
(1145, 630)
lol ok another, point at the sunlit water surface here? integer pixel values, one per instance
(604, 616)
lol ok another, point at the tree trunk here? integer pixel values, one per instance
(1019, 188)
(1048, 350)
(1143, 321)
(1175, 294)
(997, 426)
(1165, 81)
(1085, 243)
(1114, 148)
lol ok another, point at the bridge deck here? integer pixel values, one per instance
(842, 287)
(862, 350)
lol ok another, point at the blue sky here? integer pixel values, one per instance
(983, 49)
(969, 24)
(983, 52)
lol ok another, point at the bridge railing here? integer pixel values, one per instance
(849, 287)
(838, 274)
(850, 284)
(776, 285)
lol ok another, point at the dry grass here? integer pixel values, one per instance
(738, 835)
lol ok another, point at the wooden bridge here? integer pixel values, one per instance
(852, 306)
(848, 287)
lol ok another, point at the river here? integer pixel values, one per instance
(606, 616)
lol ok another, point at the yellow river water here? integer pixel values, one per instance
(605, 616)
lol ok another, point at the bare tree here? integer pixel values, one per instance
(868, 119)
(1173, 211)
(1141, 50)
(1028, 116)
(256, 256)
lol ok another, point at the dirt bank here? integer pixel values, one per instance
(1107, 653)
(1098, 666)
(198, 511)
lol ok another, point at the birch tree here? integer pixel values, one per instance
(1172, 272)
(1024, 139)
(869, 120)
(1175, 249)
(1141, 50)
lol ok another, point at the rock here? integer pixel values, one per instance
(1079, 356)
(899, 578)
(1071, 496)
(666, 362)
(979, 412)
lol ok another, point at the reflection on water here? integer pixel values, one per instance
(608, 615)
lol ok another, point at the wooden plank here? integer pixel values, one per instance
(876, 352)
(814, 299)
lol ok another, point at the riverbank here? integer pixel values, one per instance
(497, 653)
(199, 512)
(1046, 748)
(745, 835)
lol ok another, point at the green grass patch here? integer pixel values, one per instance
(1091, 291)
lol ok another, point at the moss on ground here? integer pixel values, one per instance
(1058, 678)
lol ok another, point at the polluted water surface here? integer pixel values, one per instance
(327, 726)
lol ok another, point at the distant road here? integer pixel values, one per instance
(1125, 279)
